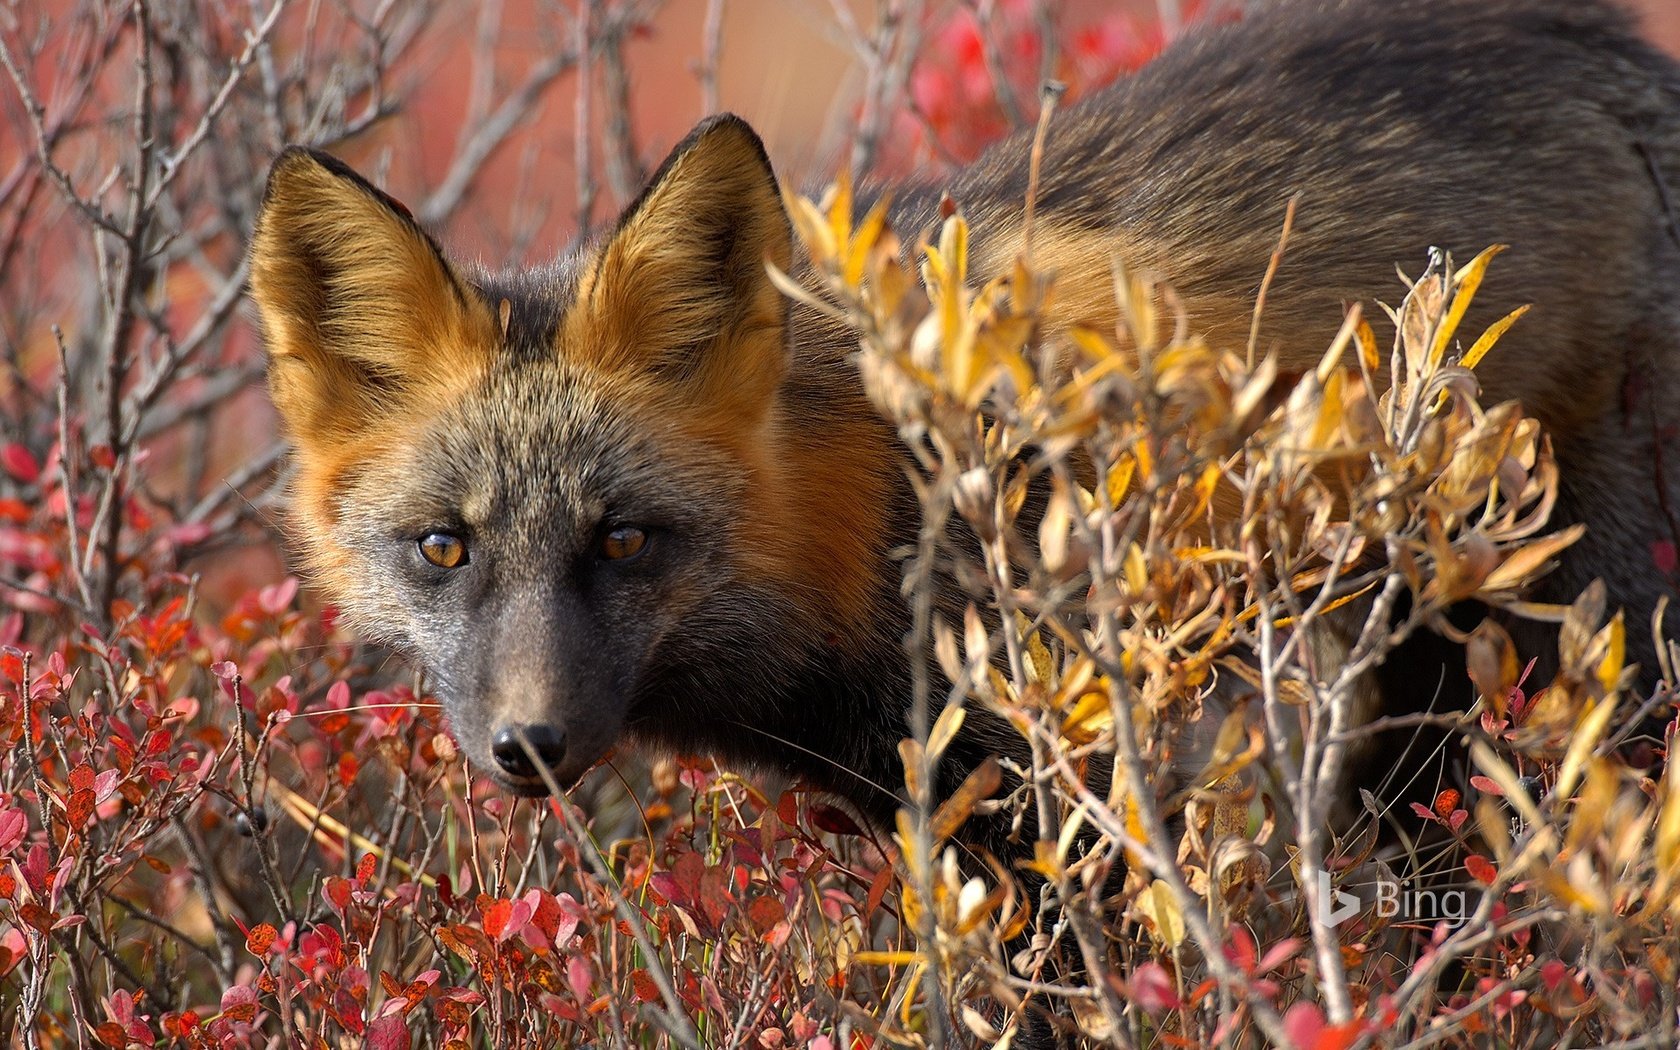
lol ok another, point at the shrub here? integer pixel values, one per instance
(223, 822)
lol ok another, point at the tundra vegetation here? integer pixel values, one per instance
(224, 823)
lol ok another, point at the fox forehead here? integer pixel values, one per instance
(557, 439)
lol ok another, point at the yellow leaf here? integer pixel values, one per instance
(1096, 346)
(1465, 282)
(1159, 906)
(1512, 788)
(1040, 666)
(1070, 831)
(1053, 529)
(1668, 821)
(840, 208)
(813, 228)
(1474, 355)
(1120, 479)
(1610, 668)
(1329, 421)
(1529, 559)
(944, 730)
(887, 958)
(862, 243)
(953, 248)
(1581, 743)
(1368, 346)
(910, 754)
(1090, 718)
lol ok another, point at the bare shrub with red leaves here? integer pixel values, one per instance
(225, 823)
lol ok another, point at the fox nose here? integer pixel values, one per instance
(508, 748)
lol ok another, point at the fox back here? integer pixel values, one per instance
(636, 494)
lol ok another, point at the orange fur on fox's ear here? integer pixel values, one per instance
(680, 287)
(358, 304)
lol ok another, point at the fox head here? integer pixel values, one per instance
(588, 497)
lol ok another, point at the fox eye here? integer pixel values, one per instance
(623, 542)
(444, 550)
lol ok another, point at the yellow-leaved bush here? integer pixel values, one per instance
(1191, 563)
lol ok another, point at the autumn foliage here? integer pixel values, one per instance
(223, 822)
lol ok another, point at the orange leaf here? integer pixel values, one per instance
(260, 939)
(1447, 802)
(1481, 869)
(646, 990)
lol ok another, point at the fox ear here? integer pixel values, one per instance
(680, 287)
(359, 306)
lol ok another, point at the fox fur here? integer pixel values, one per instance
(656, 380)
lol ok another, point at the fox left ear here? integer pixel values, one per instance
(360, 308)
(680, 287)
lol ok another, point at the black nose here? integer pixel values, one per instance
(508, 747)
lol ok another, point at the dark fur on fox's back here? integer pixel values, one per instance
(655, 371)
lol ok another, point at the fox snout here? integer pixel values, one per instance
(523, 751)
(537, 697)
(534, 740)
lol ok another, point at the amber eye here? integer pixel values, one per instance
(443, 550)
(626, 541)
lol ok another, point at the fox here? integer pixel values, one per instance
(638, 494)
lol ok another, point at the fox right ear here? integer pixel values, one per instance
(680, 290)
(358, 304)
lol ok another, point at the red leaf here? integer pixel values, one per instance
(580, 974)
(1339, 1037)
(13, 826)
(1486, 786)
(1152, 988)
(417, 988)
(239, 1003)
(765, 913)
(1303, 1023)
(545, 913)
(337, 892)
(1279, 953)
(364, 870)
(105, 785)
(20, 463)
(80, 808)
(1425, 812)
(787, 808)
(386, 1033)
(878, 890)
(686, 872)
(36, 917)
(496, 914)
(1481, 869)
(643, 984)
(715, 900)
(833, 820)
(35, 869)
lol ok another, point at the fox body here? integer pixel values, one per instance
(636, 494)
